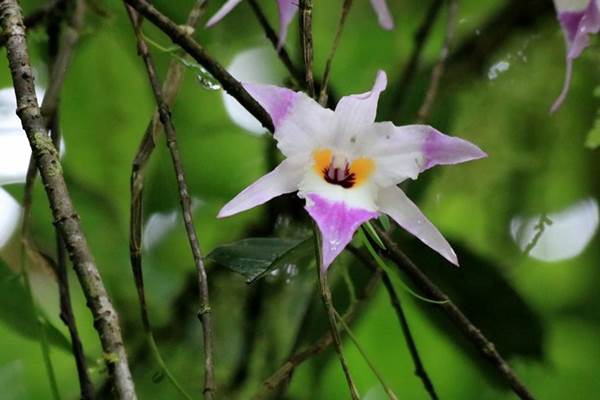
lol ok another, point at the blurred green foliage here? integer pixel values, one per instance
(545, 315)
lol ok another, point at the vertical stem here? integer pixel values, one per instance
(67, 316)
(65, 216)
(336, 41)
(307, 44)
(274, 39)
(61, 51)
(420, 39)
(186, 204)
(438, 70)
(326, 297)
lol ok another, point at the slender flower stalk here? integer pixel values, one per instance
(347, 167)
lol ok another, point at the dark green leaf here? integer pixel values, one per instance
(254, 257)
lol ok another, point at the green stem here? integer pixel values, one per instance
(354, 340)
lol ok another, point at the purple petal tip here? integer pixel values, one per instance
(337, 223)
(440, 149)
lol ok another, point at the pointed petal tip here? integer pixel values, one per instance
(211, 22)
(326, 263)
(388, 25)
(441, 149)
(380, 81)
(223, 213)
(453, 259)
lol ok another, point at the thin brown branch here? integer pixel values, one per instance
(283, 373)
(471, 332)
(63, 211)
(68, 317)
(182, 37)
(171, 87)
(420, 370)
(186, 204)
(420, 39)
(336, 41)
(270, 33)
(307, 44)
(60, 55)
(438, 69)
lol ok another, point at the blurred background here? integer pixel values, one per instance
(523, 221)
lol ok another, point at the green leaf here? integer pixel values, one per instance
(15, 311)
(254, 257)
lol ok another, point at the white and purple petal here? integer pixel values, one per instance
(393, 202)
(285, 178)
(222, 12)
(406, 151)
(337, 223)
(383, 14)
(357, 110)
(578, 19)
(287, 10)
(301, 124)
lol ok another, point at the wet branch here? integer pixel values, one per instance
(471, 332)
(438, 69)
(186, 205)
(64, 213)
(182, 37)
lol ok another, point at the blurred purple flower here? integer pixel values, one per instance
(347, 166)
(288, 8)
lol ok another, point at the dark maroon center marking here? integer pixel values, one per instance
(338, 176)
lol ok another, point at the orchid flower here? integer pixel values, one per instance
(288, 8)
(347, 167)
(578, 19)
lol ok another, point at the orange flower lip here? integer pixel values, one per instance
(344, 174)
